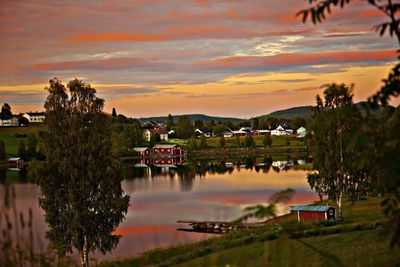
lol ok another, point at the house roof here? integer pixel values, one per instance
(310, 208)
(162, 131)
(14, 159)
(165, 146)
(140, 149)
(301, 129)
(203, 130)
(35, 113)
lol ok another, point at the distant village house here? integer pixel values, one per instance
(9, 122)
(34, 117)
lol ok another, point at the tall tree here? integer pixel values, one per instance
(80, 182)
(6, 112)
(334, 121)
(114, 113)
(170, 122)
(386, 147)
(184, 127)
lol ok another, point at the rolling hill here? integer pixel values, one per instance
(192, 117)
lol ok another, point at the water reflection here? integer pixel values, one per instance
(183, 189)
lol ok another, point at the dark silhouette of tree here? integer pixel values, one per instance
(386, 146)
(80, 182)
(3, 154)
(256, 123)
(184, 127)
(114, 113)
(22, 149)
(6, 112)
(170, 122)
(32, 145)
(333, 123)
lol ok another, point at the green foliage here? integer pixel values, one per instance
(154, 139)
(334, 122)
(222, 142)
(22, 149)
(249, 141)
(3, 154)
(184, 128)
(170, 122)
(6, 113)
(267, 141)
(192, 143)
(80, 182)
(267, 211)
(133, 135)
(218, 129)
(256, 123)
(203, 142)
(32, 145)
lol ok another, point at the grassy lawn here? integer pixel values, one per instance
(255, 248)
(11, 141)
(277, 141)
(364, 248)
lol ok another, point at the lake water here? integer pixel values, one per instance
(163, 194)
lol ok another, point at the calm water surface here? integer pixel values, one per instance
(163, 194)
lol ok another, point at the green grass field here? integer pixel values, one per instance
(277, 141)
(249, 248)
(11, 141)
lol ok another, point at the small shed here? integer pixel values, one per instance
(313, 213)
(15, 162)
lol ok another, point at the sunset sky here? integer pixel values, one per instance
(223, 57)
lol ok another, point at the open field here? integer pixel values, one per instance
(257, 248)
(230, 142)
(11, 141)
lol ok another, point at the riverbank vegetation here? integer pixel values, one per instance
(281, 245)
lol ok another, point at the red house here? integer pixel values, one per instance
(313, 213)
(168, 150)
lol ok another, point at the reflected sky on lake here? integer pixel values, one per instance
(197, 191)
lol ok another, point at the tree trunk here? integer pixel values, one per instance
(339, 204)
(84, 253)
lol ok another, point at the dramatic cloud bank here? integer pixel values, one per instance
(153, 57)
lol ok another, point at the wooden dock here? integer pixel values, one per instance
(215, 227)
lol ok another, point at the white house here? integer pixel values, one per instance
(227, 134)
(282, 130)
(9, 122)
(301, 132)
(34, 116)
(162, 132)
(202, 130)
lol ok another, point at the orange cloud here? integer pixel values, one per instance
(284, 59)
(116, 36)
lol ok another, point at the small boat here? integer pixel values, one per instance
(229, 165)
